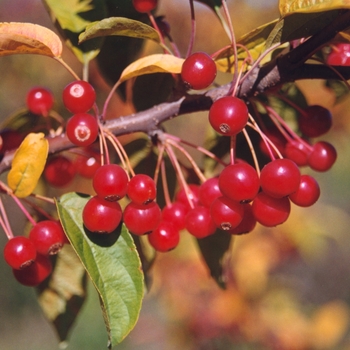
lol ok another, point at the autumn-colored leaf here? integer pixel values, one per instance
(157, 63)
(112, 263)
(28, 38)
(28, 164)
(119, 26)
(287, 7)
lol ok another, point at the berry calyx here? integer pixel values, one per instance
(270, 211)
(141, 189)
(239, 182)
(40, 101)
(78, 96)
(110, 182)
(226, 213)
(101, 216)
(280, 177)
(82, 129)
(48, 237)
(35, 273)
(228, 115)
(144, 6)
(164, 238)
(198, 71)
(59, 171)
(19, 252)
(307, 193)
(199, 222)
(141, 219)
(322, 156)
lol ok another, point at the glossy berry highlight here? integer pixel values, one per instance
(198, 71)
(78, 96)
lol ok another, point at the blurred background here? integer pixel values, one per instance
(290, 286)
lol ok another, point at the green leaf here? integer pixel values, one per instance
(71, 18)
(112, 263)
(63, 295)
(213, 249)
(287, 7)
(119, 26)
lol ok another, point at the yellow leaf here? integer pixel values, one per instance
(290, 6)
(67, 13)
(28, 38)
(157, 63)
(28, 164)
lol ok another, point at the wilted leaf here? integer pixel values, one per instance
(63, 296)
(157, 63)
(28, 164)
(28, 38)
(112, 263)
(287, 7)
(213, 249)
(119, 26)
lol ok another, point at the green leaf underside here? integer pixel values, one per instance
(119, 26)
(115, 269)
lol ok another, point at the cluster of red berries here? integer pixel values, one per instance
(29, 256)
(102, 214)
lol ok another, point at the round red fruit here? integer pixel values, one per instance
(226, 213)
(239, 182)
(48, 237)
(199, 222)
(175, 213)
(228, 115)
(209, 191)
(307, 193)
(141, 219)
(280, 178)
(78, 96)
(322, 156)
(19, 252)
(164, 238)
(101, 216)
(59, 171)
(192, 196)
(82, 129)
(35, 273)
(198, 71)
(270, 211)
(141, 189)
(40, 101)
(248, 222)
(315, 121)
(339, 55)
(144, 6)
(298, 152)
(110, 182)
(87, 163)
